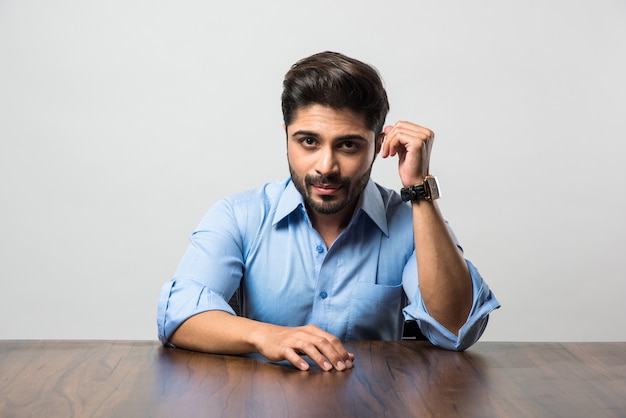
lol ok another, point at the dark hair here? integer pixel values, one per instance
(335, 80)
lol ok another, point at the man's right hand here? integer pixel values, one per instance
(219, 332)
(278, 343)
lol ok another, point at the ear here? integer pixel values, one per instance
(285, 129)
(379, 142)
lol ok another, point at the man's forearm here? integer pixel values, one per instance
(444, 280)
(222, 333)
(216, 332)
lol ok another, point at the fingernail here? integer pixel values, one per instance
(340, 365)
(327, 366)
(348, 364)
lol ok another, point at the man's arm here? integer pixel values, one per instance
(222, 333)
(193, 311)
(444, 280)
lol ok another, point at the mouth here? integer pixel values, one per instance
(326, 189)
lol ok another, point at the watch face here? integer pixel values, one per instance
(433, 188)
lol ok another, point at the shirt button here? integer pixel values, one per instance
(323, 294)
(319, 249)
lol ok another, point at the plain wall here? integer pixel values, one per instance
(122, 122)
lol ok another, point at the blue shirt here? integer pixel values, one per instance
(363, 287)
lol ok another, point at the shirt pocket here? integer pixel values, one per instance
(375, 312)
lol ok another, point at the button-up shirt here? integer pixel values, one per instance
(364, 286)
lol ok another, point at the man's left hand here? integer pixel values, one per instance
(412, 143)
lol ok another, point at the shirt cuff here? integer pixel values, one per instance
(176, 305)
(484, 302)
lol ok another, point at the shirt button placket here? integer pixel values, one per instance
(321, 314)
(321, 249)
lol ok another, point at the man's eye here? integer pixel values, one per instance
(308, 141)
(349, 145)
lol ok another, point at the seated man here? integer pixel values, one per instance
(327, 255)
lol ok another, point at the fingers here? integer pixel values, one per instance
(292, 357)
(323, 348)
(327, 352)
(405, 136)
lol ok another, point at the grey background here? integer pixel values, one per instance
(122, 122)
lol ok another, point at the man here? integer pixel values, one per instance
(328, 255)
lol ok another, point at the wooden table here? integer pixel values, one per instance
(390, 379)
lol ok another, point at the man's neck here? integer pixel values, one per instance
(330, 226)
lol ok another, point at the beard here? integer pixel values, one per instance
(330, 204)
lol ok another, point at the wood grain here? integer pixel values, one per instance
(390, 379)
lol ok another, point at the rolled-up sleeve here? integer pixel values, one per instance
(208, 274)
(484, 301)
(181, 299)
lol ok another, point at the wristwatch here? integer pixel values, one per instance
(429, 190)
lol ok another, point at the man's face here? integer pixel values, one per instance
(330, 154)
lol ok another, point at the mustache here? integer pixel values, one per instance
(321, 179)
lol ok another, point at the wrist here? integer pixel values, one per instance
(427, 189)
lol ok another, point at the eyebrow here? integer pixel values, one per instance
(339, 138)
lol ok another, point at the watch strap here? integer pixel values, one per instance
(429, 190)
(413, 193)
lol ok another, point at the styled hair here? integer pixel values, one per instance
(339, 82)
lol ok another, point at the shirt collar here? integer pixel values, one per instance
(289, 201)
(371, 202)
(373, 205)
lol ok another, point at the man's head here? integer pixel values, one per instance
(334, 80)
(334, 109)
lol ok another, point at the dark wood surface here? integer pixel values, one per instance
(390, 379)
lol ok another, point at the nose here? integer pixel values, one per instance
(327, 162)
